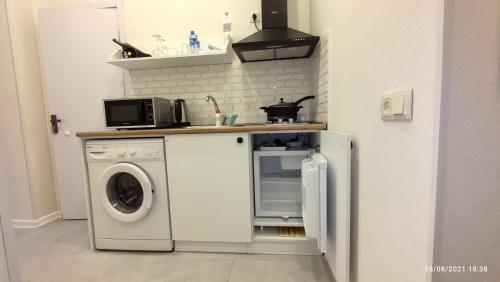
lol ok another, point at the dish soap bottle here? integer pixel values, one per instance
(218, 118)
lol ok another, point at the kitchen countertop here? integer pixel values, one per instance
(203, 129)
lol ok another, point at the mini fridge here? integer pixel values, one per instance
(277, 180)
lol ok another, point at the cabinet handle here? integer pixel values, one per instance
(239, 140)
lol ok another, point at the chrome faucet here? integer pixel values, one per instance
(208, 98)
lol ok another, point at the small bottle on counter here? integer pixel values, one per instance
(218, 118)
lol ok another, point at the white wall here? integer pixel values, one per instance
(238, 88)
(468, 210)
(10, 122)
(31, 104)
(12, 169)
(380, 46)
(174, 19)
(50, 3)
(4, 271)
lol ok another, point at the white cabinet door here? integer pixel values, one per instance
(314, 199)
(210, 187)
(336, 149)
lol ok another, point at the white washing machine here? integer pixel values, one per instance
(128, 193)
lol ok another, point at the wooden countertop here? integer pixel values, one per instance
(203, 129)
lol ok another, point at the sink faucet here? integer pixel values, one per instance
(208, 98)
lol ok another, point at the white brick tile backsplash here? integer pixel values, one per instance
(154, 84)
(208, 88)
(137, 72)
(284, 77)
(178, 89)
(177, 76)
(185, 82)
(161, 77)
(208, 74)
(193, 75)
(184, 69)
(168, 70)
(242, 88)
(163, 90)
(201, 82)
(169, 83)
(200, 68)
(217, 81)
(153, 71)
(147, 78)
(193, 89)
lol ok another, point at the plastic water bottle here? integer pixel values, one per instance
(193, 39)
(226, 25)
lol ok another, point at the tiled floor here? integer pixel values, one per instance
(60, 251)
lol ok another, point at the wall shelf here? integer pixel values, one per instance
(210, 57)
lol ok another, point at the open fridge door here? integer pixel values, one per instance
(314, 199)
(336, 149)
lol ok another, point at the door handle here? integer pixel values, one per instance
(54, 123)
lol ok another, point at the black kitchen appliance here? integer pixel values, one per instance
(276, 41)
(126, 113)
(129, 51)
(181, 113)
(284, 111)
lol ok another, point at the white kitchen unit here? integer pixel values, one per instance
(212, 201)
(211, 192)
(209, 178)
(324, 216)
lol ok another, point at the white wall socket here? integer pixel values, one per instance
(259, 16)
(397, 105)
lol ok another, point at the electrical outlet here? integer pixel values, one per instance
(259, 19)
(397, 105)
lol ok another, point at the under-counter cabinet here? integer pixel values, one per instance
(210, 187)
(302, 196)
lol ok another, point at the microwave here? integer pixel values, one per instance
(125, 113)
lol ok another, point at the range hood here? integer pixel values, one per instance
(276, 41)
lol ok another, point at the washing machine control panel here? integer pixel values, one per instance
(130, 151)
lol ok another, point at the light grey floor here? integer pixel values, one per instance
(60, 251)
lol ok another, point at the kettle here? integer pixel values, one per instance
(180, 113)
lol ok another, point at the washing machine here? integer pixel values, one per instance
(129, 194)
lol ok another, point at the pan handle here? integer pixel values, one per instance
(303, 99)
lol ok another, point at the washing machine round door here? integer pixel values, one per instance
(126, 192)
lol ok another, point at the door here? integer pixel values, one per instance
(314, 199)
(336, 149)
(75, 44)
(209, 180)
(126, 192)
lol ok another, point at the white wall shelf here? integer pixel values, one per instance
(209, 57)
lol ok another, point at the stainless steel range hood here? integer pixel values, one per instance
(276, 41)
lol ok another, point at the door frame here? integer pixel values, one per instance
(121, 32)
